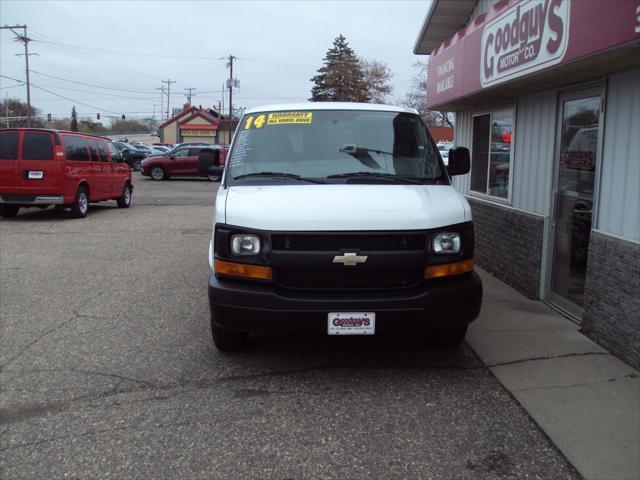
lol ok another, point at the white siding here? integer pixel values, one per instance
(532, 166)
(619, 197)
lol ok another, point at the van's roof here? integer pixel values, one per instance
(314, 106)
(53, 130)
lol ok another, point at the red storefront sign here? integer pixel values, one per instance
(517, 38)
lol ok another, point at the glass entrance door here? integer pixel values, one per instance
(576, 160)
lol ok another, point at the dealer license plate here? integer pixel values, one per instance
(351, 323)
(36, 175)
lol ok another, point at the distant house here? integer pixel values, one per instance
(197, 124)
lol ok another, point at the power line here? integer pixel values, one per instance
(91, 84)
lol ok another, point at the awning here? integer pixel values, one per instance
(444, 19)
(520, 47)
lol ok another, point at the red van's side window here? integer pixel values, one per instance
(93, 148)
(103, 151)
(37, 146)
(8, 145)
(76, 148)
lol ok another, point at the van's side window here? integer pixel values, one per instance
(37, 146)
(115, 153)
(75, 148)
(103, 151)
(93, 148)
(8, 145)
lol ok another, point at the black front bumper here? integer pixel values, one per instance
(252, 307)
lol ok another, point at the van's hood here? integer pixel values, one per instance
(345, 207)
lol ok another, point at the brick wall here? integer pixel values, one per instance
(509, 245)
(612, 296)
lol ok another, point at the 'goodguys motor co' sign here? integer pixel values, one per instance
(517, 38)
(529, 37)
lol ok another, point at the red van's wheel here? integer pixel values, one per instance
(125, 200)
(8, 211)
(80, 206)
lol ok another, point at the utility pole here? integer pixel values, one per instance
(24, 39)
(189, 95)
(231, 58)
(161, 100)
(168, 82)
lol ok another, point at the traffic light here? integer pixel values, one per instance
(123, 117)
(48, 117)
(98, 116)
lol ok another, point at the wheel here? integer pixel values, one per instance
(227, 340)
(125, 200)
(80, 206)
(8, 211)
(137, 165)
(448, 337)
(213, 178)
(157, 173)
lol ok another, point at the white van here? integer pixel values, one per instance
(340, 219)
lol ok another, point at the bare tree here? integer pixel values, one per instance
(377, 78)
(417, 98)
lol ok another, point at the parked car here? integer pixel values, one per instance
(131, 155)
(443, 148)
(181, 161)
(42, 167)
(192, 144)
(159, 149)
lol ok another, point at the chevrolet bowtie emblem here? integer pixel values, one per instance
(350, 259)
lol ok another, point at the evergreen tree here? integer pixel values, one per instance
(74, 120)
(341, 78)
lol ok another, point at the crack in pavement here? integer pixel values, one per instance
(548, 357)
(595, 382)
(94, 432)
(75, 316)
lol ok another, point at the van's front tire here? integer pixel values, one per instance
(125, 200)
(228, 340)
(8, 211)
(448, 337)
(80, 207)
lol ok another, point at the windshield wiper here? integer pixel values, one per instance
(292, 176)
(389, 176)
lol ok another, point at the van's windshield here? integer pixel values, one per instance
(333, 146)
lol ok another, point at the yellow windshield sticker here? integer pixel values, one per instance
(282, 118)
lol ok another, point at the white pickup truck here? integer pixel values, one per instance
(340, 219)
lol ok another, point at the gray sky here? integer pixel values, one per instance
(130, 47)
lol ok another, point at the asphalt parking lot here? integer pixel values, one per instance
(108, 370)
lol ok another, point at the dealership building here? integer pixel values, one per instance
(547, 99)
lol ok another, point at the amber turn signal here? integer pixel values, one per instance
(448, 269)
(242, 270)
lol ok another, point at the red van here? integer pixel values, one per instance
(41, 167)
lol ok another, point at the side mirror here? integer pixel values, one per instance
(116, 158)
(172, 157)
(209, 162)
(459, 161)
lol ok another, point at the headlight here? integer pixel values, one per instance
(245, 244)
(446, 243)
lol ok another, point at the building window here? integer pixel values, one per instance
(492, 153)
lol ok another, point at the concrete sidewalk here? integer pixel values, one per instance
(585, 400)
